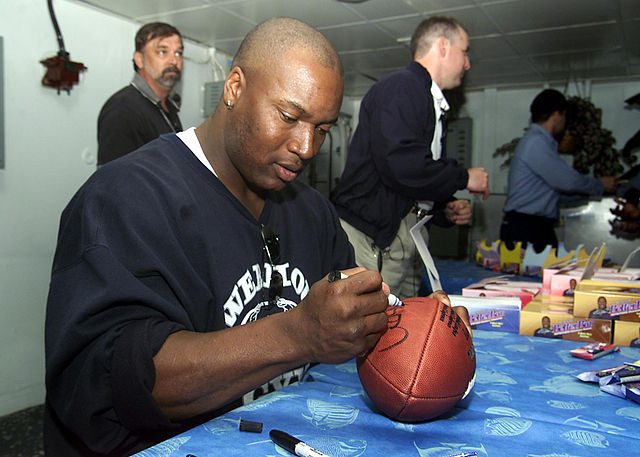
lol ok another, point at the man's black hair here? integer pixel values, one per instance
(546, 103)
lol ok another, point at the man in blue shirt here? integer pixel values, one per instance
(539, 178)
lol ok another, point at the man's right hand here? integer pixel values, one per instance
(478, 181)
(339, 320)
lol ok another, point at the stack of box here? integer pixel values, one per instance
(587, 304)
(616, 300)
(542, 319)
(495, 303)
(578, 300)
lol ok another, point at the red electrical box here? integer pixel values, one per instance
(61, 73)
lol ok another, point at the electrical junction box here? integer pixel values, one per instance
(459, 140)
(212, 93)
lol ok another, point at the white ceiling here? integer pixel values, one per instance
(512, 42)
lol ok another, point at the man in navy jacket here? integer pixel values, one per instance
(396, 162)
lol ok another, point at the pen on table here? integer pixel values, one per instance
(294, 445)
(335, 275)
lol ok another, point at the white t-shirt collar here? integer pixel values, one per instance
(190, 140)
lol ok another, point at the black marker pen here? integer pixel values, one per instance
(294, 445)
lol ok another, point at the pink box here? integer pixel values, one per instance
(561, 281)
(547, 273)
(564, 283)
(501, 286)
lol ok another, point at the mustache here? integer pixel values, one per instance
(171, 69)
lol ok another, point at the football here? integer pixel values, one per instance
(422, 365)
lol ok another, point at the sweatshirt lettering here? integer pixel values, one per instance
(254, 280)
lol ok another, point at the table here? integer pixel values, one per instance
(526, 402)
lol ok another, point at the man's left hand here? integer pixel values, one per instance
(461, 311)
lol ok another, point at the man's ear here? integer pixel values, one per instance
(234, 84)
(443, 46)
(137, 59)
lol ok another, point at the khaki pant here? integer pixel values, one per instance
(402, 267)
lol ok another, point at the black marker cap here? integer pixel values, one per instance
(250, 426)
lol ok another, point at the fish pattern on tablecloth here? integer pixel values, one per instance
(526, 402)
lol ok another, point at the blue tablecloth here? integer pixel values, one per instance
(526, 402)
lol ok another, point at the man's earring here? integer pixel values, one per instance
(229, 104)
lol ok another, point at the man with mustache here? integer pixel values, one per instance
(144, 110)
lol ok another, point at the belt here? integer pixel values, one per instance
(420, 212)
